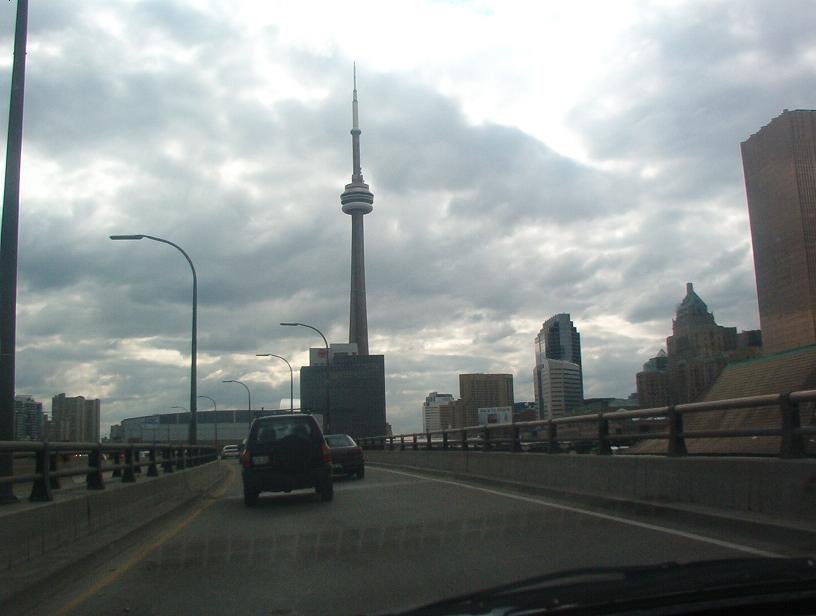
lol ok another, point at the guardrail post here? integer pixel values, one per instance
(552, 437)
(53, 465)
(445, 440)
(416, 446)
(603, 437)
(402, 442)
(516, 439)
(152, 470)
(486, 440)
(94, 480)
(464, 440)
(677, 444)
(117, 472)
(128, 475)
(41, 490)
(792, 445)
(167, 457)
(428, 440)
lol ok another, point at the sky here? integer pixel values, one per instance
(526, 159)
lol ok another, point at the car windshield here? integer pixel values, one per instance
(339, 440)
(542, 272)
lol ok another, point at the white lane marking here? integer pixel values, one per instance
(604, 516)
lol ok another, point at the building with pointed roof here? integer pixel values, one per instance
(697, 349)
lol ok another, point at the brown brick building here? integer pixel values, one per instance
(780, 181)
(481, 390)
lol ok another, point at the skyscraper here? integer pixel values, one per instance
(482, 390)
(357, 201)
(558, 339)
(75, 419)
(559, 388)
(779, 162)
(698, 349)
(28, 419)
(431, 415)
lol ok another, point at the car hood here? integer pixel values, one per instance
(647, 589)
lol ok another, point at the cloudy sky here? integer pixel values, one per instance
(526, 159)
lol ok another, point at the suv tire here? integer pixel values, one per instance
(325, 491)
(250, 498)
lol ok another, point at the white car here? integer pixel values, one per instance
(229, 451)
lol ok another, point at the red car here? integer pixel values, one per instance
(346, 455)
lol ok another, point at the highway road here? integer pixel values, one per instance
(391, 541)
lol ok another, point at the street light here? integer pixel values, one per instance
(291, 379)
(193, 432)
(249, 397)
(168, 425)
(215, 416)
(327, 427)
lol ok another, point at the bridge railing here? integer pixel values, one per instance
(593, 428)
(125, 460)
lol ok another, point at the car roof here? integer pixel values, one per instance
(284, 417)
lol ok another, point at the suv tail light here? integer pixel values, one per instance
(246, 459)
(326, 453)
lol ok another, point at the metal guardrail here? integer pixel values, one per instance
(494, 436)
(124, 459)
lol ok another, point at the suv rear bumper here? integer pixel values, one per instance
(274, 480)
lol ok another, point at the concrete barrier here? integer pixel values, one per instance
(29, 530)
(776, 488)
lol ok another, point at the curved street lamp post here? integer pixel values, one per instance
(327, 426)
(215, 417)
(193, 432)
(249, 398)
(183, 408)
(291, 379)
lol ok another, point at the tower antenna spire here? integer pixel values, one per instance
(357, 201)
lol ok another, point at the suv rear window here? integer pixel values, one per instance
(339, 440)
(270, 431)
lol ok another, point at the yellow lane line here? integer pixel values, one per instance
(147, 550)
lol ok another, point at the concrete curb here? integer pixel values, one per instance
(778, 532)
(69, 534)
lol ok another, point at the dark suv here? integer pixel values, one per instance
(285, 453)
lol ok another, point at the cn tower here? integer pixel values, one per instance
(357, 201)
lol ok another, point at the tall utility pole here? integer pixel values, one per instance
(8, 248)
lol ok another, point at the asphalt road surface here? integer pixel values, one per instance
(391, 541)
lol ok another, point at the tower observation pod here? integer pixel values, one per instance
(357, 201)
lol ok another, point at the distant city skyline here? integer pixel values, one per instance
(537, 162)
